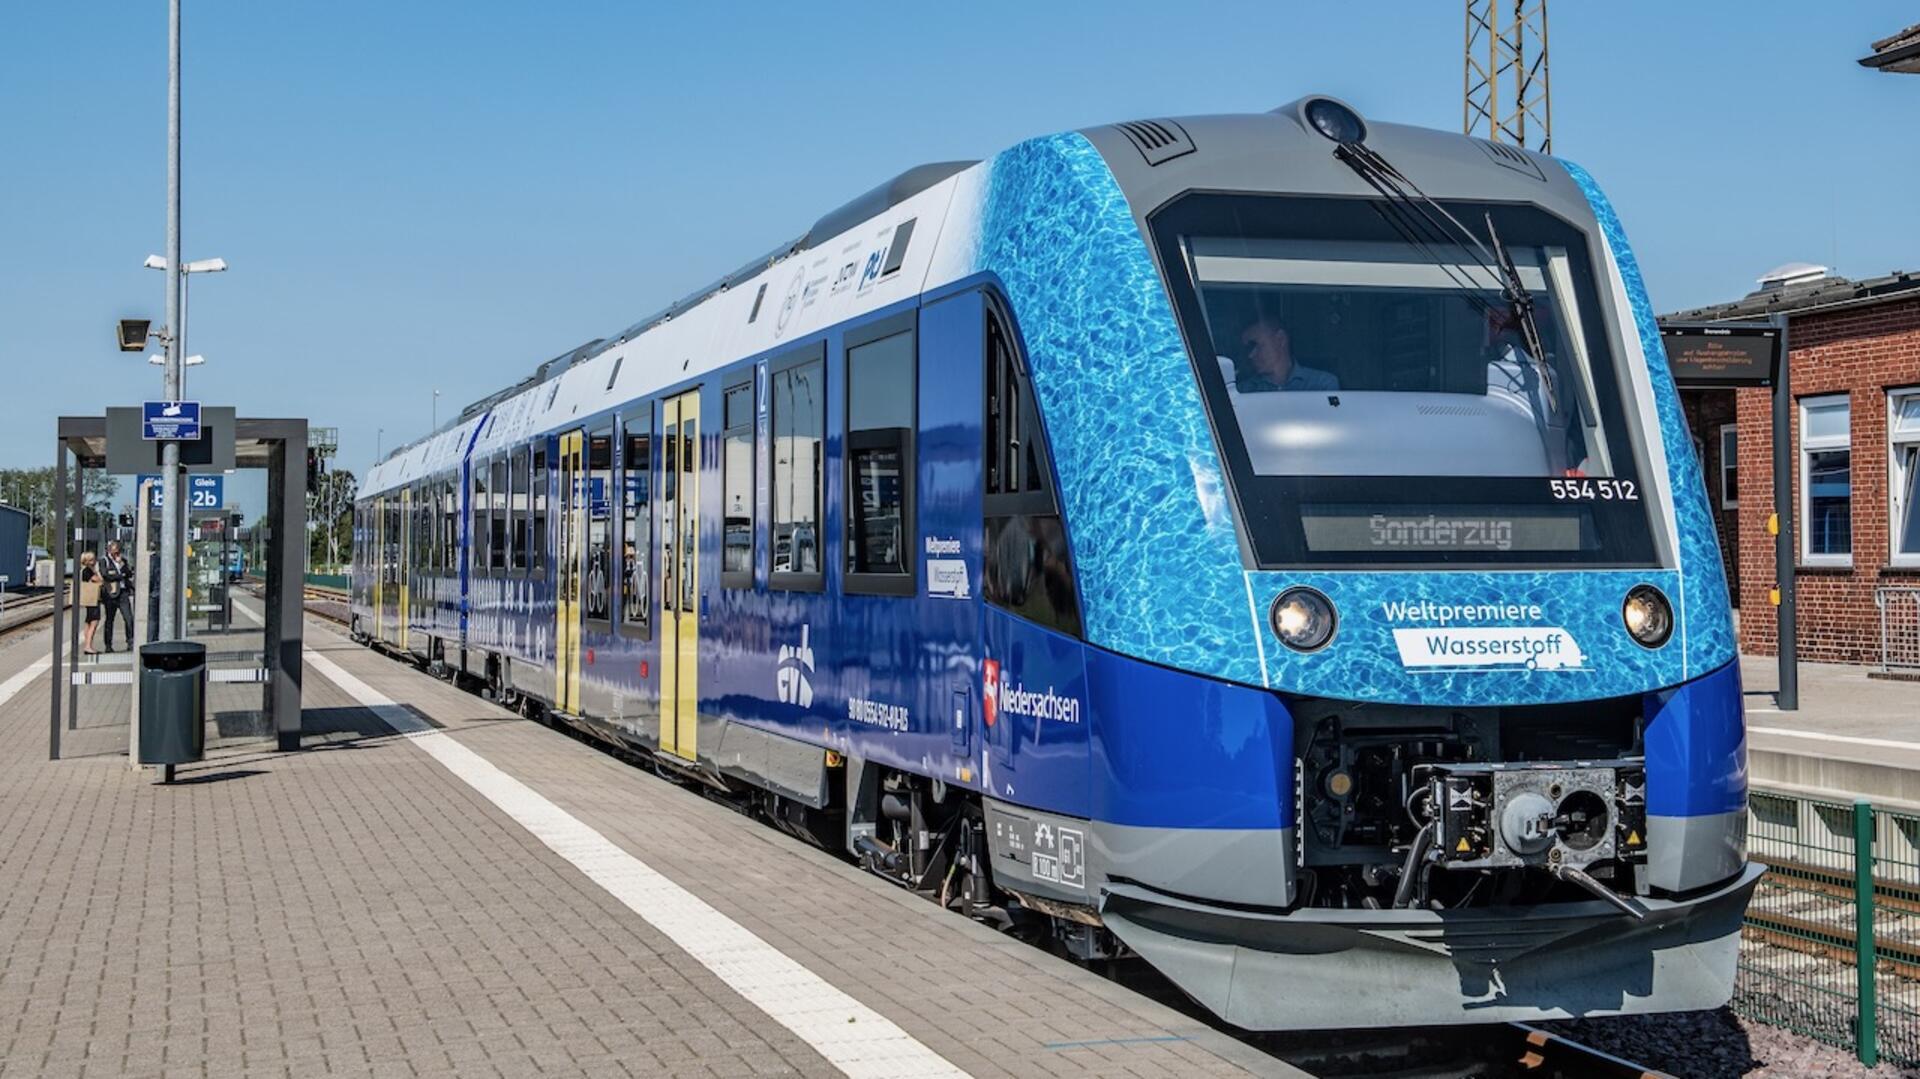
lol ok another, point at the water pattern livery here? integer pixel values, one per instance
(1704, 599)
(1155, 552)
(1059, 681)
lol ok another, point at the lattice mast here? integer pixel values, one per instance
(1508, 96)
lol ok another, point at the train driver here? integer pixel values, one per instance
(1265, 362)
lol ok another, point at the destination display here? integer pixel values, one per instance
(1721, 356)
(1353, 528)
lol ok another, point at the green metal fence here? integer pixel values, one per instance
(330, 580)
(1831, 946)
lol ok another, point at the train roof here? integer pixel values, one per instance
(1149, 159)
(862, 207)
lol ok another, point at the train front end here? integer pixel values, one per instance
(1410, 688)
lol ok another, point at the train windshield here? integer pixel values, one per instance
(1373, 359)
(1377, 399)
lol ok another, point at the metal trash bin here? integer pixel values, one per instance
(173, 704)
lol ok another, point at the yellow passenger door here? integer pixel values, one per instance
(569, 549)
(680, 568)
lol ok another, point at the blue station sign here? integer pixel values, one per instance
(203, 492)
(171, 421)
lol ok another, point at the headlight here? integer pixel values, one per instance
(1303, 619)
(1648, 616)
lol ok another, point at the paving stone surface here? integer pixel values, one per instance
(356, 909)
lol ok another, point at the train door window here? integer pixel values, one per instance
(497, 538)
(881, 410)
(392, 558)
(537, 540)
(598, 604)
(636, 525)
(736, 486)
(1029, 569)
(478, 505)
(522, 521)
(1826, 479)
(799, 389)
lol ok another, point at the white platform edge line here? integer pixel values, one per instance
(851, 1036)
(23, 678)
(1843, 739)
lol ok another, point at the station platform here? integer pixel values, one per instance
(1853, 736)
(434, 886)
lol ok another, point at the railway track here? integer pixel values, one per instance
(1494, 1051)
(1810, 910)
(23, 615)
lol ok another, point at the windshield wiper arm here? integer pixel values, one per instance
(1421, 209)
(1520, 302)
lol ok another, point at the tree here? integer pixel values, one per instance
(31, 489)
(330, 519)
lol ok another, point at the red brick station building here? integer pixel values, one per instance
(1854, 358)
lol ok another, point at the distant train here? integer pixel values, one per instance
(1266, 544)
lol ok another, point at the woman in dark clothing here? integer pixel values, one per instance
(90, 597)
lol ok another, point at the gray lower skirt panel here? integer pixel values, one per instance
(1319, 969)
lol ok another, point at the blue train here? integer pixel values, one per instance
(1268, 545)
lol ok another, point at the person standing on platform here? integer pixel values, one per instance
(90, 598)
(116, 593)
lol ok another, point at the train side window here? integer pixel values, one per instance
(421, 552)
(449, 528)
(537, 558)
(636, 526)
(416, 540)
(497, 539)
(881, 411)
(798, 385)
(599, 590)
(1029, 567)
(736, 486)
(522, 522)
(478, 506)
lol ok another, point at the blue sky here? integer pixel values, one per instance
(440, 195)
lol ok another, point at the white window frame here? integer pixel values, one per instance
(1897, 478)
(1729, 462)
(1808, 447)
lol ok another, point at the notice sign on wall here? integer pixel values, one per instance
(1706, 355)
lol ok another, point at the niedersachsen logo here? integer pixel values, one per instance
(1045, 704)
(1455, 637)
(1004, 695)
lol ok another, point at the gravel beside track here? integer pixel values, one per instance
(1720, 1045)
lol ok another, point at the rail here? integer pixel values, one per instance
(1899, 626)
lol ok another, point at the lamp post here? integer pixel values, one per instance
(172, 513)
(435, 426)
(173, 525)
(155, 262)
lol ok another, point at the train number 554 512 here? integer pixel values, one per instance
(1590, 490)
